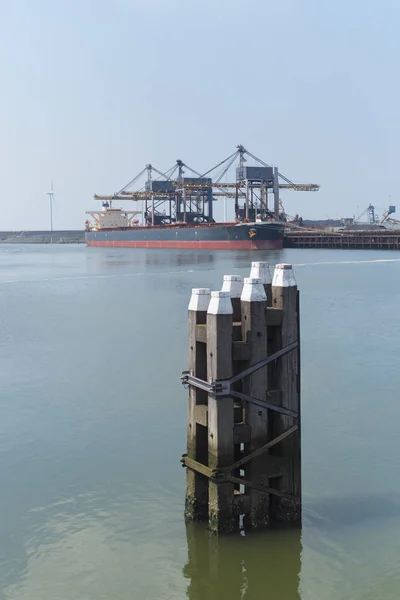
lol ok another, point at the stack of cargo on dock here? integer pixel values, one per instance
(380, 233)
(355, 239)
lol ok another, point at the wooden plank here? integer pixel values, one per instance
(241, 433)
(285, 297)
(238, 412)
(241, 351)
(201, 333)
(237, 331)
(236, 308)
(201, 414)
(263, 488)
(276, 466)
(221, 516)
(233, 284)
(275, 397)
(196, 503)
(254, 331)
(241, 503)
(260, 270)
(274, 317)
(194, 465)
(261, 450)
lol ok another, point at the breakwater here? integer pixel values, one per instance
(43, 237)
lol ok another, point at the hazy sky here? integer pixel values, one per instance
(93, 90)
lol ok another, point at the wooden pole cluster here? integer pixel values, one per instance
(243, 438)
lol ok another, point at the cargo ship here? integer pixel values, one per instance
(116, 227)
(177, 211)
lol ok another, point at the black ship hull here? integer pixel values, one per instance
(210, 236)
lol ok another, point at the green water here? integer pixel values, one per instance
(93, 424)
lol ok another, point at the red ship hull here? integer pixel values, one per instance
(192, 245)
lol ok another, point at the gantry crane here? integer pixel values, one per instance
(200, 190)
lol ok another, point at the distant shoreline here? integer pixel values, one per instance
(65, 236)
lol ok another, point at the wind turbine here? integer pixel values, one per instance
(51, 200)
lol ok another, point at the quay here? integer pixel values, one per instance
(375, 239)
(65, 236)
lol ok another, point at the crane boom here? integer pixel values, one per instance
(125, 195)
(300, 187)
(389, 211)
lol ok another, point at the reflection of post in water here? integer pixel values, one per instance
(179, 259)
(261, 565)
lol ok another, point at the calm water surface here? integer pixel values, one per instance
(93, 424)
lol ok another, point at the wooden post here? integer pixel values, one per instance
(196, 505)
(285, 298)
(261, 269)
(254, 332)
(220, 410)
(243, 438)
(233, 284)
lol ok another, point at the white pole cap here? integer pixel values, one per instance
(253, 290)
(261, 269)
(233, 284)
(284, 276)
(200, 299)
(220, 304)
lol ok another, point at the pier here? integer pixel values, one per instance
(43, 237)
(375, 239)
(243, 437)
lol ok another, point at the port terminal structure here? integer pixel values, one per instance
(171, 197)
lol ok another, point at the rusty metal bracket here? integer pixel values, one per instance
(188, 379)
(264, 362)
(224, 474)
(262, 403)
(223, 387)
(242, 461)
(262, 488)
